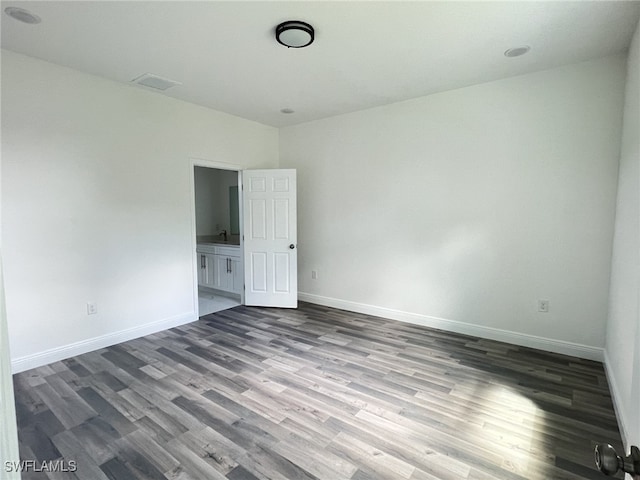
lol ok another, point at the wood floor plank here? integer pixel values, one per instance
(151, 449)
(71, 448)
(315, 393)
(69, 415)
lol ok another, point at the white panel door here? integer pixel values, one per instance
(270, 238)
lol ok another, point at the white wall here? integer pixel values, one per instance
(225, 179)
(623, 327)
(212, 200)
(205, 197)
(205, 192)
(462, 209)
(96, 201)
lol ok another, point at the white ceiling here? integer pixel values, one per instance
(365, 53)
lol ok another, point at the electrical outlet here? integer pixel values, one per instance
(314, 274)
(543, 306)
(92, 309)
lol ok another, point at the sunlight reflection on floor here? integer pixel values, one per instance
(491, 410)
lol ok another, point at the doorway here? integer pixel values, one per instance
(218, 246)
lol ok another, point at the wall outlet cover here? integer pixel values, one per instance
(543, 306)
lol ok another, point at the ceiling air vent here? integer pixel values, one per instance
(154, 81)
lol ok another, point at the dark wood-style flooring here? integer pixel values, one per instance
(315, 393)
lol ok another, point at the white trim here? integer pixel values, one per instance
(201, 162)
(78, 348)
(194, 239)
(515, 338)
(9, 450)
(617, 405)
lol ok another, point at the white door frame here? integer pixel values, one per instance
(9, 451)
(199, 162)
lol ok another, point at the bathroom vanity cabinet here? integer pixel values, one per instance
(220, 267)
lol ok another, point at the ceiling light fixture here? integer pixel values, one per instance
(22, 15)
(287, 110)
(294, 34)
(517, 51)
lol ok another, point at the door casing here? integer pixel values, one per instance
(197, 162)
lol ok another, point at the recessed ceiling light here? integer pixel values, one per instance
(517, 51)
(22, 15)
(294, 34)
(287, 110)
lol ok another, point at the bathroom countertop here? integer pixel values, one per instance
(229, 243)
(218, 240)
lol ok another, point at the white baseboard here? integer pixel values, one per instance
(28, 362)
(522, 339)
(615, 396)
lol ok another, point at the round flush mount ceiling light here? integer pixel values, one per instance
(517, 51)
(294, 34)
(22, 15)
(287, 111)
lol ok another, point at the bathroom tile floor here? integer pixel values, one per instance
(209, 302)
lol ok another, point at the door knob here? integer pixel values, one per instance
(292, 246)
(609, 462)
